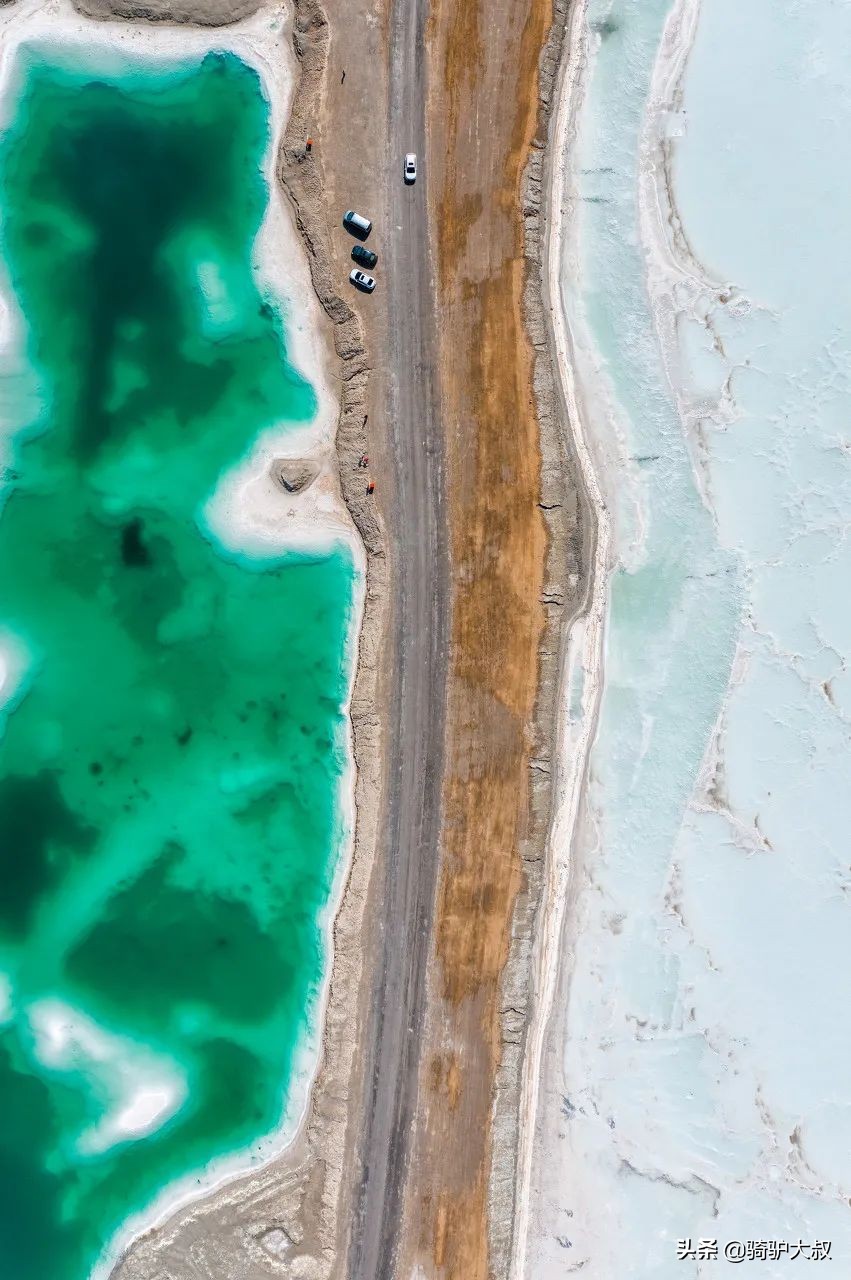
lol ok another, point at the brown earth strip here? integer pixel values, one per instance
(516, 564)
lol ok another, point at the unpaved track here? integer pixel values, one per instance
(409, 860)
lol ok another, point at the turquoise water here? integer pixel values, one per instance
(174, 740)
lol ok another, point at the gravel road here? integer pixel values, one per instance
(420, 639)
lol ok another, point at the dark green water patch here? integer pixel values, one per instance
(169, 821)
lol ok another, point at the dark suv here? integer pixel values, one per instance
(364, 257)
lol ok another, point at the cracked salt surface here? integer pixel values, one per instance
(696, 1082)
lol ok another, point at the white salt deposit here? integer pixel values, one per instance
(145, 1111)
(139, 1090)
(7, 1000)
(15, 663)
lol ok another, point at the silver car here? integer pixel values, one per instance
(357, 224)
(362, 281)
(410, 168)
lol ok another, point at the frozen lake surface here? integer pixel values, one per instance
(695, 1074)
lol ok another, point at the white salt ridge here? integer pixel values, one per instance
(7, 1000)
(220, 309)
(15, 672)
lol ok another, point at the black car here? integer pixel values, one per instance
(364, 257)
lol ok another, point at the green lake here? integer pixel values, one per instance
(173, 735)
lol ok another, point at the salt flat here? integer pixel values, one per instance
(693, 1070)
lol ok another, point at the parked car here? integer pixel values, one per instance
(357, 224)
(362, 281)
(364, 257)
(410, 168)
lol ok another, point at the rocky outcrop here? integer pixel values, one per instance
(295, 474)
(202, 13)
(302, 180)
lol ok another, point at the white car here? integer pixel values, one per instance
(410, 168)
(362, 281)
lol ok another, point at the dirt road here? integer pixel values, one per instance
(410, 847)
